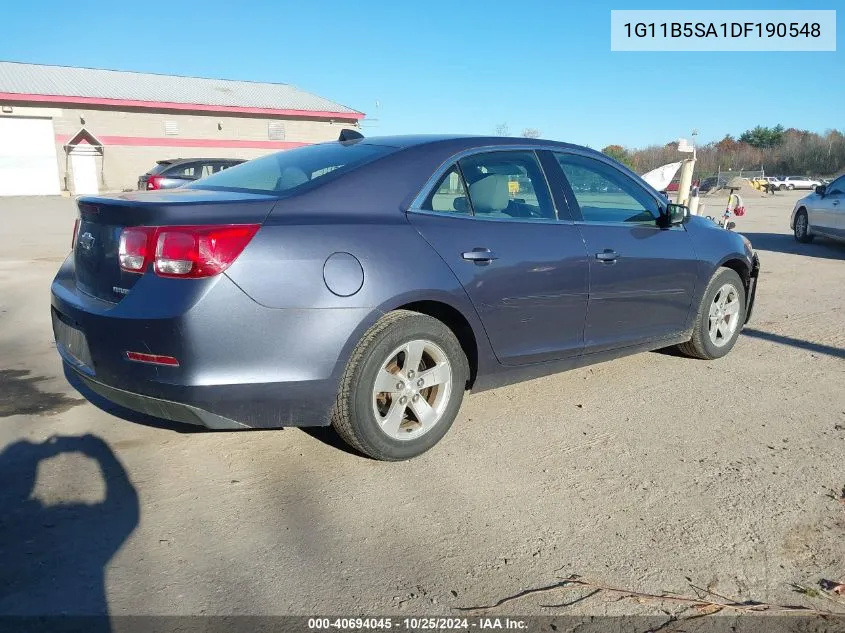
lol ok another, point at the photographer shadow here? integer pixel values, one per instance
(54, 556)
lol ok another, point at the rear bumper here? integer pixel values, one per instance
(155, 407)
(241, 365)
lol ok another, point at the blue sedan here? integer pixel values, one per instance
(369, 283)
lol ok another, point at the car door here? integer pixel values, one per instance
(828, 215)
(642, 277)
(492, 219)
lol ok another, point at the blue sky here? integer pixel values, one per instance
(453, 66)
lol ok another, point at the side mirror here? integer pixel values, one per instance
(820, 190)
(673, 215)
(731, 226)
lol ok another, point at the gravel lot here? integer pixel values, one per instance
(649, 473)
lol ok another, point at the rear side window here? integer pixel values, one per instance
(507, 185)
(187, 170)
(291, 169)
(450, 194)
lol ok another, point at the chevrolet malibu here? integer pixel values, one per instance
(369, 283)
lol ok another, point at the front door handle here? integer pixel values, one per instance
(479, 255)
(608, 255)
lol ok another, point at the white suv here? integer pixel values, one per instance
(797, 182)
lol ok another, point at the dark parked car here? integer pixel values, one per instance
(707, 184)
(368, 283)
(175, 172)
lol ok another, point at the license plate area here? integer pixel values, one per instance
(71, 343)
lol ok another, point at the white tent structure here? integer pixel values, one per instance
(661, 177)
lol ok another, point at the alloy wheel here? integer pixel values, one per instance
(724, 315)
(801, 226)
(412, 389)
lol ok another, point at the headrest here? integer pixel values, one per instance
(489, 194)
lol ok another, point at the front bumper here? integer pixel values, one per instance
(751, 291)
(241, 365)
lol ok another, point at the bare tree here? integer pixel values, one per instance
(531, 132)
(502, 129)
(799, 151)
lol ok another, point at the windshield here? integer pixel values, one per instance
(288, 170)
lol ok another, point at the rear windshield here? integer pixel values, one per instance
(291, 169)
(160, 167)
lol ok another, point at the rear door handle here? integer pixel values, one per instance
(607, 255)
(479, 255)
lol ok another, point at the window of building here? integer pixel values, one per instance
(276, 130)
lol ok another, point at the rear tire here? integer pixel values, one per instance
(791, 187)
(720, 317)
(402, 388)
(802, 227)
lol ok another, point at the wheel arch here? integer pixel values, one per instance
(460, 319)
(795, 217)
(739, 266)
(455, 320)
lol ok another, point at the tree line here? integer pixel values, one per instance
(776, 150)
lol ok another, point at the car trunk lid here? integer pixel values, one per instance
(102, 219)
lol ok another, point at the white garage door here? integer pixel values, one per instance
(28, 165)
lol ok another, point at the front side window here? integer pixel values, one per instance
(450, 194)
(605, 194)
(837, 186)
(288, 170)
(507, 185)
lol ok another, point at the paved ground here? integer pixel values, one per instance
(648, 473)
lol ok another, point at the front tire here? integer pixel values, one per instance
(720, 317)
(782, 188)
(802, 227)
(791, 187)
(402, 388)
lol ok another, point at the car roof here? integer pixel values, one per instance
(464, 141)
(179, 161)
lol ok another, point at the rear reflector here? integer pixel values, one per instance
(183, 251)
(152, 359)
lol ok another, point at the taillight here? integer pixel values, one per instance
(134, 248)
(154, 182)
(183, 251)
(76, 224)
